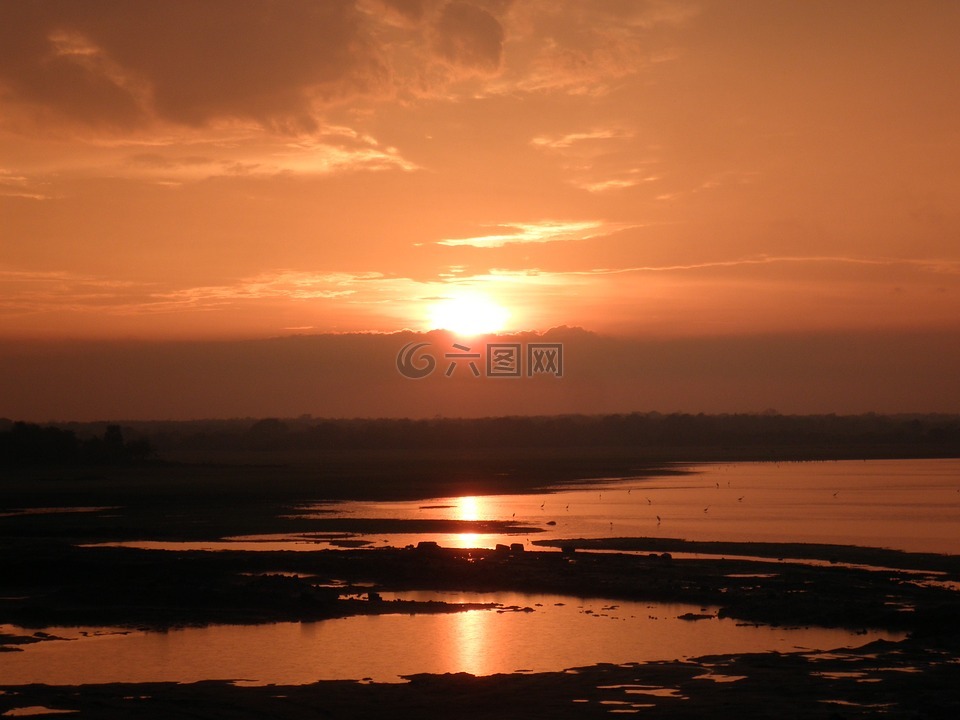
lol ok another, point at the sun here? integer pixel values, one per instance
(468, 314)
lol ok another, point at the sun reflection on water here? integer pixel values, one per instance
(466, 541)
(470, 641)
(468, 508)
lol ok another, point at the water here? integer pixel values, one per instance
(911, 505)
(561, 632)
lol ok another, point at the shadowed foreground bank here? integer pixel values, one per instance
(915, 677)
(878, 680)
(47, 583)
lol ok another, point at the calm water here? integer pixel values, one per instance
(911, 505)
(561, 632)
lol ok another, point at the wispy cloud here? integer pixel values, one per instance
(562, 142)
(629, 179)
(585, 48)
(291, 284)
(19, 185)
(542, 232)
(331, 294)
(939, 265)
(193, 156)
(600, 159)
(335, 149)
(27, 292)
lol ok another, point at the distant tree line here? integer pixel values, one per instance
(677, 436)
(936, 434)
(25, 444)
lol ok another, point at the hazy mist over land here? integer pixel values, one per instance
(355, 375)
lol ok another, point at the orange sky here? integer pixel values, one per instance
(226, 169)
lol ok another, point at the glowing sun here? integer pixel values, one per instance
(468, 314)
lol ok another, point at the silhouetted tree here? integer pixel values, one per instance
(28, 444)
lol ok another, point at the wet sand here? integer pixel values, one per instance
(48, 580)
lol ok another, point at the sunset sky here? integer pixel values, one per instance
(653, 171)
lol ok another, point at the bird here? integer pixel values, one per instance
(542, 504)
(835, 494)
(706, 508)
(649, 501)
(740, 499)
(658, 519)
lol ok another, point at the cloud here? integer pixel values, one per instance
(569, 140)
(25, 292)
(118, 64)
(30, 292)
(329, 153)
(541, 232)
(20, 186)
(330, 150)
(195, 155)
(401, 299)
(600, 159)
(469, 37)
(587, 48)
(49, 66)
(291, 284)
(936, 266)
(410, 10)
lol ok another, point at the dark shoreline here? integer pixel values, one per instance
(52, 584)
